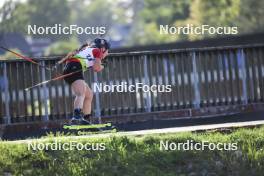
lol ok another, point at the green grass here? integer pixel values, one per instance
(140, 155)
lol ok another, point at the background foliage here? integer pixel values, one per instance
(142, 16)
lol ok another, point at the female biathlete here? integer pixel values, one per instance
(88, 55)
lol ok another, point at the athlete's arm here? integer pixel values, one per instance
(98, 55)
(98, 65)
(71, 54)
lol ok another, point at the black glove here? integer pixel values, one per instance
(104, 63)
(55, 66)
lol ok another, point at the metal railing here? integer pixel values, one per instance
(198, 78)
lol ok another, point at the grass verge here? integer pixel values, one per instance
(138, 155)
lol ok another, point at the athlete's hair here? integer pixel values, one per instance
(99, 43)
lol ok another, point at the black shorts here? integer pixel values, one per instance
(73, 67)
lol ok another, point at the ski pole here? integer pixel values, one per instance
(25, 58)
(53, 79)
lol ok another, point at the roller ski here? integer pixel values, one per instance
(78, 123)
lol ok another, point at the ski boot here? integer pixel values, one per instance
(77, 117)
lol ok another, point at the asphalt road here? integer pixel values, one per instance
(155, 131)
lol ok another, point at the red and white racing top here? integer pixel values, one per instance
(87, 57)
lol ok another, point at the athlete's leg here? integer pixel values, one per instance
(87, 105)
(78, 88)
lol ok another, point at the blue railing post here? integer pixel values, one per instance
(7, 119)
(44, 97)
(146, 82)
(242, 67)
(97, 100)
(197, 96)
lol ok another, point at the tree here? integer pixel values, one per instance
(95, 14)
(49, 13)
(251, 16)
(245, 14)
(156, 13)
(63, 47)
(213, 13)
(14, 17)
